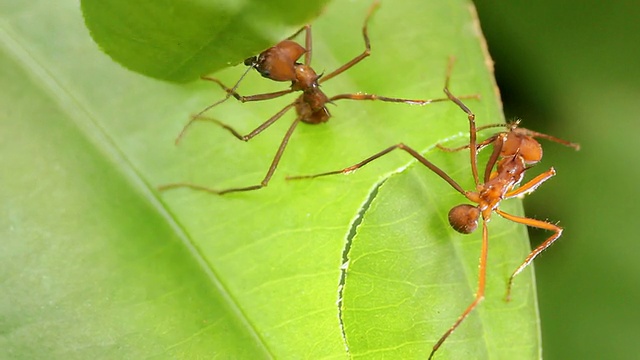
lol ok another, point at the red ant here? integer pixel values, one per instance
(514, 152)
(278, 63)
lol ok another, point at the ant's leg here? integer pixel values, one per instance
(495, 154)
(480, 145)
(229, 91)
(365, 53)
(557, 231)
(531, 185)
(235, 133)
(496, 140)
(306, 28)
(241, 98)
(448, 149)
(380, 154)
(263, 183)
(232, 92)
(360, 96)
(307, 45)
(472, 123)
(482, 274)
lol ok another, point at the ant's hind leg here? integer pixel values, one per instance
(263, 183)
(234, 132)
(557, 232)
(361, 96)
(243, 98)
(416, 155)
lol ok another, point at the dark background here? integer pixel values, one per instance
(572, 69)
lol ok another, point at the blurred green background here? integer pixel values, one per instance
(572, 69)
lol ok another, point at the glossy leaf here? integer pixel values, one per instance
(97, 263)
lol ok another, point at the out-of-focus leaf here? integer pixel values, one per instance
(181, 40)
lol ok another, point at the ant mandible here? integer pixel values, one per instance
(514, 152)
(279, 63)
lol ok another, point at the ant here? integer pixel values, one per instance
(279, 63)
(515, 150)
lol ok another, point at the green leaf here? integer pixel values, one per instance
(181, 40)
(97, 263)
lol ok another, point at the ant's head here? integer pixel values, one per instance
(278, 62)
(524, 145)
(464, 218)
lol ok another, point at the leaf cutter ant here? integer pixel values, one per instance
(279, 63)
(515, 151)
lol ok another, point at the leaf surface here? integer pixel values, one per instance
(96, 262)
